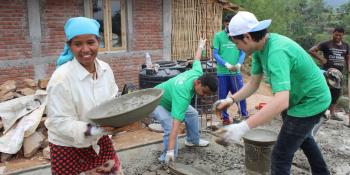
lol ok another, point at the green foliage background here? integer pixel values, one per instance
(305, 21)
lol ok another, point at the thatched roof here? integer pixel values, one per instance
(227, 5)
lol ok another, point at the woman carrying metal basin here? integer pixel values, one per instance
(80, 82)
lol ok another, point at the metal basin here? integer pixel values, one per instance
(127, 108)
(260, 136)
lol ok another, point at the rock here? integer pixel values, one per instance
(42, 83)
(46, 153)
(214, 125)
(42, 122)
(8, 96)
(343, 102)
(6, 157)
(45, 143)
(17, 95)
(30, 83)
(8, 86)
(32, 143)
(155, 127)
(26, 91)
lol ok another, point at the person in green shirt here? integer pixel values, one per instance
(300, 92)
(229, 60)
(175, 106)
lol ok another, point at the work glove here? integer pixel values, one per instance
(230, 67)
(222, 104)
(201, 43)
(233, 68)
(231, 133)
(238, 67)
(169, 157)
(93, 130)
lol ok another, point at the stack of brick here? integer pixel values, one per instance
(10, 89)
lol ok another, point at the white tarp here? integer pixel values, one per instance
(28, 112)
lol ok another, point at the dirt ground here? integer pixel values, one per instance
(139, 149)
(333, 139)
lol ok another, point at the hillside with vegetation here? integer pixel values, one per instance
(306, 21)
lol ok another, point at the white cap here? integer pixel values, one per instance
(244, 22)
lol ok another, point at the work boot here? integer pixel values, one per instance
(335, 117)
(201, 143)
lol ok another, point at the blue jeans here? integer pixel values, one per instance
(231, 83)
(296, 133)
(166, 120)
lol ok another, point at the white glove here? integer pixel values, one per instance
(169, 156)
(229, 66)
(93, 130)
(228, 101)
(238, 67)
(201, 43)
(234, 132)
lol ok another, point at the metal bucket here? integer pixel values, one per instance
(258, 147)
(127, 108)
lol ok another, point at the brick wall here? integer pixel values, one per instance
(17, 74)
(53, 17)
(147, 22)
(16, 44)
(14, 33)
(125, 72)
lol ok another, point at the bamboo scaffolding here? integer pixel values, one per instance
(192, 19)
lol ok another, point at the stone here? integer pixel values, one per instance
(45, 143)
(32, 143)
(8, 96)
(8, 86)
(42, 83)
(29, 83)
(6, 157)
(42, 122)
(155, 127)
(46, 153)
(343, 102)
(26, 91)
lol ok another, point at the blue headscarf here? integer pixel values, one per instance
(74, 27)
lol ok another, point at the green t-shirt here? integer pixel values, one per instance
(227, 51)
(179, 91)
(287, 66)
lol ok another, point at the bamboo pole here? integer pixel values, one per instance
(192, 19)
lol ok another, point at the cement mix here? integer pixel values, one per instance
(333, 138)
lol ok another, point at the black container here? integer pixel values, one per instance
(149, 78)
